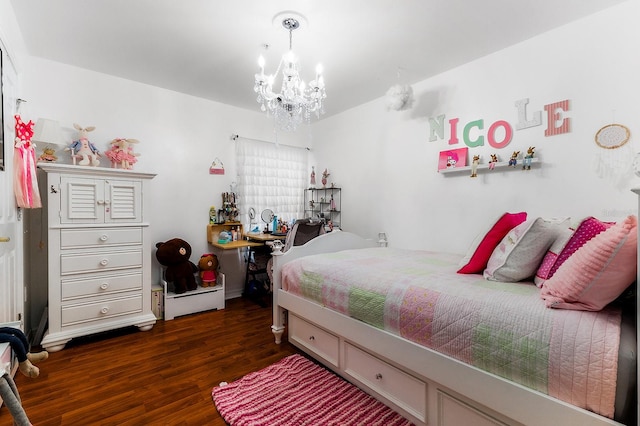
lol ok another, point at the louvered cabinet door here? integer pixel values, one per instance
(94, 201)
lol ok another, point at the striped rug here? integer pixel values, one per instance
(295, 391)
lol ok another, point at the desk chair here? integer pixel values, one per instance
(303, 231)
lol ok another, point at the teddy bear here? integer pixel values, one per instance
(208, 266)
(174, 255)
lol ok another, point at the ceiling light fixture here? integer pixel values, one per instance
(296, 102)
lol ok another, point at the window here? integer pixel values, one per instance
(270, 177)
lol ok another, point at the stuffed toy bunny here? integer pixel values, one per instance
(121, 153)
(83, 148)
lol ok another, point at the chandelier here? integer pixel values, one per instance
(296, 102)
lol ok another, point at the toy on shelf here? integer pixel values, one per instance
(493, 161)
(474, 166)
(48, 155)
(83, 148)
(526, 163)
(513, 161)
(121, 153)
(325, 176)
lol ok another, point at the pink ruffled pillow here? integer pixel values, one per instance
(598, 272)
(482, 247)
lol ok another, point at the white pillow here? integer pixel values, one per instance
(520, 252)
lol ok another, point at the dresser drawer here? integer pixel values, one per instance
(73, 314)
(315, 339)
(78, 263)
(94, 286)
(399, 387)
(98, 237)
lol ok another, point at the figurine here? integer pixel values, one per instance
(121, 153)
(474, 166)
(325, 175)
(514, 158)
(48, 155)
(313, 177)
(493, 161)
(83, 148)
(526, 164)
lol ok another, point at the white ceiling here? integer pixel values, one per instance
(209, 48)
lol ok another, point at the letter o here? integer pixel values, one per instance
(508, 134)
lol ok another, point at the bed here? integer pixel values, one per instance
(489, 352)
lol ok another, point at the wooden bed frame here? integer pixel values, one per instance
(423, 385)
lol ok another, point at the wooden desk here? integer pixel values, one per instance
(236, 244)
(259, 236)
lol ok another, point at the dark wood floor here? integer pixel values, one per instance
(159, 377)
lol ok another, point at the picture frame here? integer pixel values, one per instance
(452, 158)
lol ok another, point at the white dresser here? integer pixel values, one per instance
(92, 237)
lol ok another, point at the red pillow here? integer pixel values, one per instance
(480, 251)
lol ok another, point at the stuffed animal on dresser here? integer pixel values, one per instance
(83, 148)
(174, 255)
(208, 266)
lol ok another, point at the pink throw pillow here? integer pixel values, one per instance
(481, 249)
(598, 272)
(567, 244)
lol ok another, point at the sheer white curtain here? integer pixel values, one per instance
(270, 177)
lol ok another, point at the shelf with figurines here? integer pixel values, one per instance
(514, 162)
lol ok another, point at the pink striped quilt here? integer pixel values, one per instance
(502, 328)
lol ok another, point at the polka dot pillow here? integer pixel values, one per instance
(598, 272)
(567, 243)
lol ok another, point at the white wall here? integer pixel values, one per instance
(592, 62)
(393, 185)
(179, 137)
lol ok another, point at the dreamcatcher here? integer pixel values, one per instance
(615, 160)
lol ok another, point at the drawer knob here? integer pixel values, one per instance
(104, 262)
(104, 286)
(312, 338)
(378, 376)
(104, 310)
(104, 237)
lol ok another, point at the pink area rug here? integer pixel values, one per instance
(295, 391)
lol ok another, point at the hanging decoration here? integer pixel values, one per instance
(25, 182)
(614, 161)
(399, 97)
(216, 168)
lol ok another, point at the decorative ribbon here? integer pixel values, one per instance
(26, 183)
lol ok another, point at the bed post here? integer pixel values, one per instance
(277, 327)
(637, 191)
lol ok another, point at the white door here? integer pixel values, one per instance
(11, 240)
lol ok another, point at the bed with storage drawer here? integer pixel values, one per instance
(445, 347)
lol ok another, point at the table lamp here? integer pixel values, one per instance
(47, 133)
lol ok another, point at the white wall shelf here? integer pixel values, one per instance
(503, 165)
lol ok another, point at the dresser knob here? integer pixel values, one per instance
(104, 262)
(104, 286)
(104, 310)
(104, 237)
(312, 338)
(378, 376)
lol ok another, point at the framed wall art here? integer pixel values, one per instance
(452, 158)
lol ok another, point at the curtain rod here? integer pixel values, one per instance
(235, 137)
